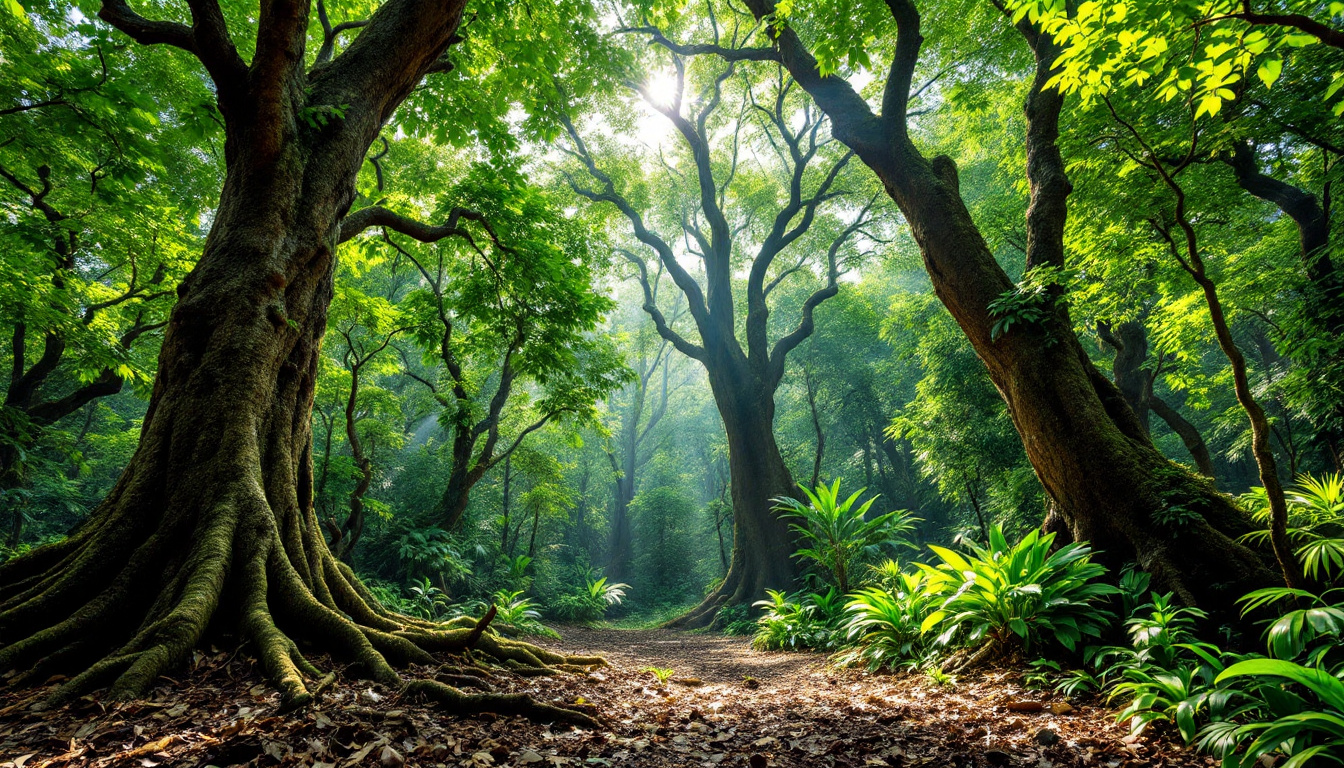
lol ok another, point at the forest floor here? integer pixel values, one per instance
(725, 705)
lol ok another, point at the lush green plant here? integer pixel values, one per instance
(428, 601)
(520, 613)
(838, 534)
(736, 620)
(431, 552)
(1315, 522)
(390, 597)
(790, 623)
(1293, 632)
(589, 604)
(1303, 730)
(1018, 595)
(516, 571)
(884, 622)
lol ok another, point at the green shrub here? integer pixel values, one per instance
(790, 623)
(589, 604)
(736, 620)
(1303, 729)
(1017, 596)
(837, 534)
(520, 613)
(1315, 522)
(884, 622)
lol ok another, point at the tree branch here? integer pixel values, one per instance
(656, 37)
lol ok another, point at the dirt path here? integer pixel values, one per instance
(733, 707)
(711, 658)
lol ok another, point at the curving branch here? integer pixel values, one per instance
(331, 33)
(806, 323)
(656, 37)
(665, 330)
(207, 39)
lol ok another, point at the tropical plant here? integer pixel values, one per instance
(428, 601)
(1017, 596)
(837, 534)
(590, 603)
(1304, 731)
(1292, 633)
(884, 622)
(791, 623)
(1315, 522)
(520, 613)
(431, 552)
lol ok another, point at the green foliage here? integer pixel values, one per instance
(1018, 595)
(661, 674)
(589, 604)
(838, 534)
(1315, 522)
(1031, 302)
(736, 620)
(1317, 731)
(792, 623)
(520, 613)
(885, 622)
(1203, 52)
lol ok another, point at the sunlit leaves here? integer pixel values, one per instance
(1198, 51)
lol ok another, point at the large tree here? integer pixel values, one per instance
(211, 526)
(1108, 483)
(770, 221)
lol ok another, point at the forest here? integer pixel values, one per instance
(652, 383)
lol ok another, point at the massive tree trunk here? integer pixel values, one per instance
(763, 545)
(211, 526)
(1109, 484)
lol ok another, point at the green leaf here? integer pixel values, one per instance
(1269, 71)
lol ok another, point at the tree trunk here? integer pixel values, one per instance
(622, 539)
(1109, 484)
(211, 525)
(1189, 434)
(763, 545)
(1130, 341)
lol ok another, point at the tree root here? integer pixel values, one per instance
(501, 703)
(240, 575)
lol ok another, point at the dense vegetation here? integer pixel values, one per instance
(349, 325)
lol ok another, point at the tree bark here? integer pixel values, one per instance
(1130, 342)
(211, 526)
(1108, 483)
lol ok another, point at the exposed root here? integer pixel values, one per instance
(501, 703)
(235, 568)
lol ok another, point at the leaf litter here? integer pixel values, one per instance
(727, 705)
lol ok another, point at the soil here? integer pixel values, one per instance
(724, 705)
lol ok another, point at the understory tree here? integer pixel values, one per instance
(1107, 482)
(211, 526)
(506, 320)
(640, 407)
(762, 197)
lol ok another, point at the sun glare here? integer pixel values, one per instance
(661, 88)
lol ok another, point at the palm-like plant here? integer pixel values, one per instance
(839, 534)
(602, 593)
(884, 621)
(1315, 522)
(1017, 594)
